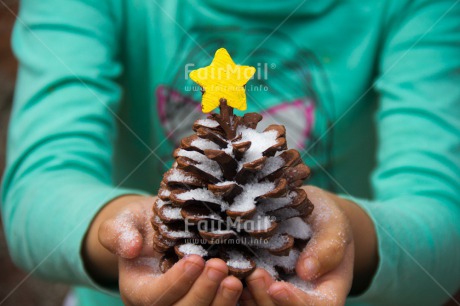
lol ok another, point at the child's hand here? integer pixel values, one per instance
(189, 282)
(121, 236)
(327, 261)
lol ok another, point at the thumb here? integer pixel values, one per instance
(121, 236)
(321, 256)
(324, 252)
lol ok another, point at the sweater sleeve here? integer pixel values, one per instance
(59, 156)
(416, 209)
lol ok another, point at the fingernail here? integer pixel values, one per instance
(279, 294)
(258, 283)
(311, 266)
(229, 294)
(215, 275)
(192, 267)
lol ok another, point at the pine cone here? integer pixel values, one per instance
(234, 193)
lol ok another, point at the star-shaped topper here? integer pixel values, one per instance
(223, 79)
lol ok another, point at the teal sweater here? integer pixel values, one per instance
(368, 90)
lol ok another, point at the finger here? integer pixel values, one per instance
(329, 293)
(138, 284)
(322, 254)
(205, 287)
(285, 294)
(336, 285)
(121, 236)
(246, 298)
(258, 283)
(331, 289)
(228, 293)
(331, 236)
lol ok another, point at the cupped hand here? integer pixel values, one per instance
(191, 281)
(326, 264)
(125, 251)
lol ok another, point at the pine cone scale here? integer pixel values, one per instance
(233, 186)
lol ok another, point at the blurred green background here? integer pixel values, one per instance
(16, 288)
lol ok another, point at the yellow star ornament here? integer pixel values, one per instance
(223, 79)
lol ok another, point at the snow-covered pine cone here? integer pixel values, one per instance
(234, 193)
